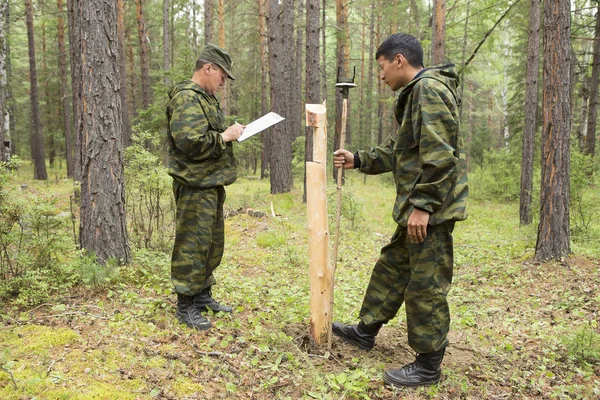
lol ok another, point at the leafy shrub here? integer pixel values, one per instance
(149, 199)
(34, 240)
(584, 344)
(499, 178)
(583, 202)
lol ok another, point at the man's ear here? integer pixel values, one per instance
(399, 59)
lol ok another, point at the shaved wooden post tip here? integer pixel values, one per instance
(312, 113)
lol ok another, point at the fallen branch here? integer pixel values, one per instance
(12, 378)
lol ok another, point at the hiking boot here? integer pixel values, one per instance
(360, 335)
(425, 370)
(189, 315)
(204, 301)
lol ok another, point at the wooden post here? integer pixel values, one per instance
(321, 274)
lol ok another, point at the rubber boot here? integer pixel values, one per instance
(361, 335)
(204, 301)
(425, 370)
(189, 315)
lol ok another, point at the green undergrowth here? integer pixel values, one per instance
(520, 329)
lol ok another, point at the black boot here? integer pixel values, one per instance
(425, 370)
(187, 313)
(360, 335)
(203, 301)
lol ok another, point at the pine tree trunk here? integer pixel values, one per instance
(225, 90)
(553, 239)
(324, 49)
(297, 98)
(64, 90)
(264, 101)
(48, 119)
(590, 142)
(369, 111)
(123, 72)
(74, 46)
(531, 103)
(144, 55)
(102, 226)
(313, 74)
(342, 70)
(281, 32)
(166, 45)
(37, 138)
(438, 29)
(3, 80)
(208, 12)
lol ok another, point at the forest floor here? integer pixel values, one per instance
(520, 329)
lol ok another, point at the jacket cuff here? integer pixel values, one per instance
(356, 160)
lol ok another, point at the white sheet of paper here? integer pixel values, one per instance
(260, 125)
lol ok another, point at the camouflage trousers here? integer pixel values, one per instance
(199, 237)
(418, 275)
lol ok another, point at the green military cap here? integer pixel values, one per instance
(218, 56)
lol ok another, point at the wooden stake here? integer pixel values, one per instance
(321, 275)
(338, 209)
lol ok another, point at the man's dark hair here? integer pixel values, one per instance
(401, 43)
(201, 63)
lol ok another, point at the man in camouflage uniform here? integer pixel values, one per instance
(427, 160)
(201, 162)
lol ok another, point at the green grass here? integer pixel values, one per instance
(520, 329)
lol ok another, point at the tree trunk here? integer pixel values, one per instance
(590, 140)
(581, 131)
(48, 119)
(281, 31)
(369, 111)
(102, 225)
(438, 29)
(531, 100)
(131, 74)
(166, 45)
(208, 13)
(36, 136)
(64, 90)
(553, 239)
(76, 86)
(313, 73)
(225, 90)
(297, 98)
(4, 134)
(414, 14)
(342, 70)
(324, 49)
(264, 101)
(123, 72)
(144, 55)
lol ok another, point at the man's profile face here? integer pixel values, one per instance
(216, 78)
(391, 72)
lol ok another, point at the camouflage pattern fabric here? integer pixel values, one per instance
(418, 274)
(426, 155)
(199, 237)
(198, 156)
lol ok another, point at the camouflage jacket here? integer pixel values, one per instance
(198, 156)
(426, 154)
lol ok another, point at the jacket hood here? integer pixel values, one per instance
(185, 85)
(446, 74)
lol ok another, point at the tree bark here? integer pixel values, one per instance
(166, 45)
(48, 109)
(590, 140)
(324, 49)
(370, 78)
(4, 133)
(123, 72)
(225, 91)
(64, 90)
(208, 13)
(313, 73)
(297, 98)
(531, 102)
(36, 139)
(76, 86)
(438, 30)
(144, 55)
(102, 226)
(281, 32)
(264, 100)
(342, 70)
(553, 240)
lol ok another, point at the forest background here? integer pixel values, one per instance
(70, 301)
